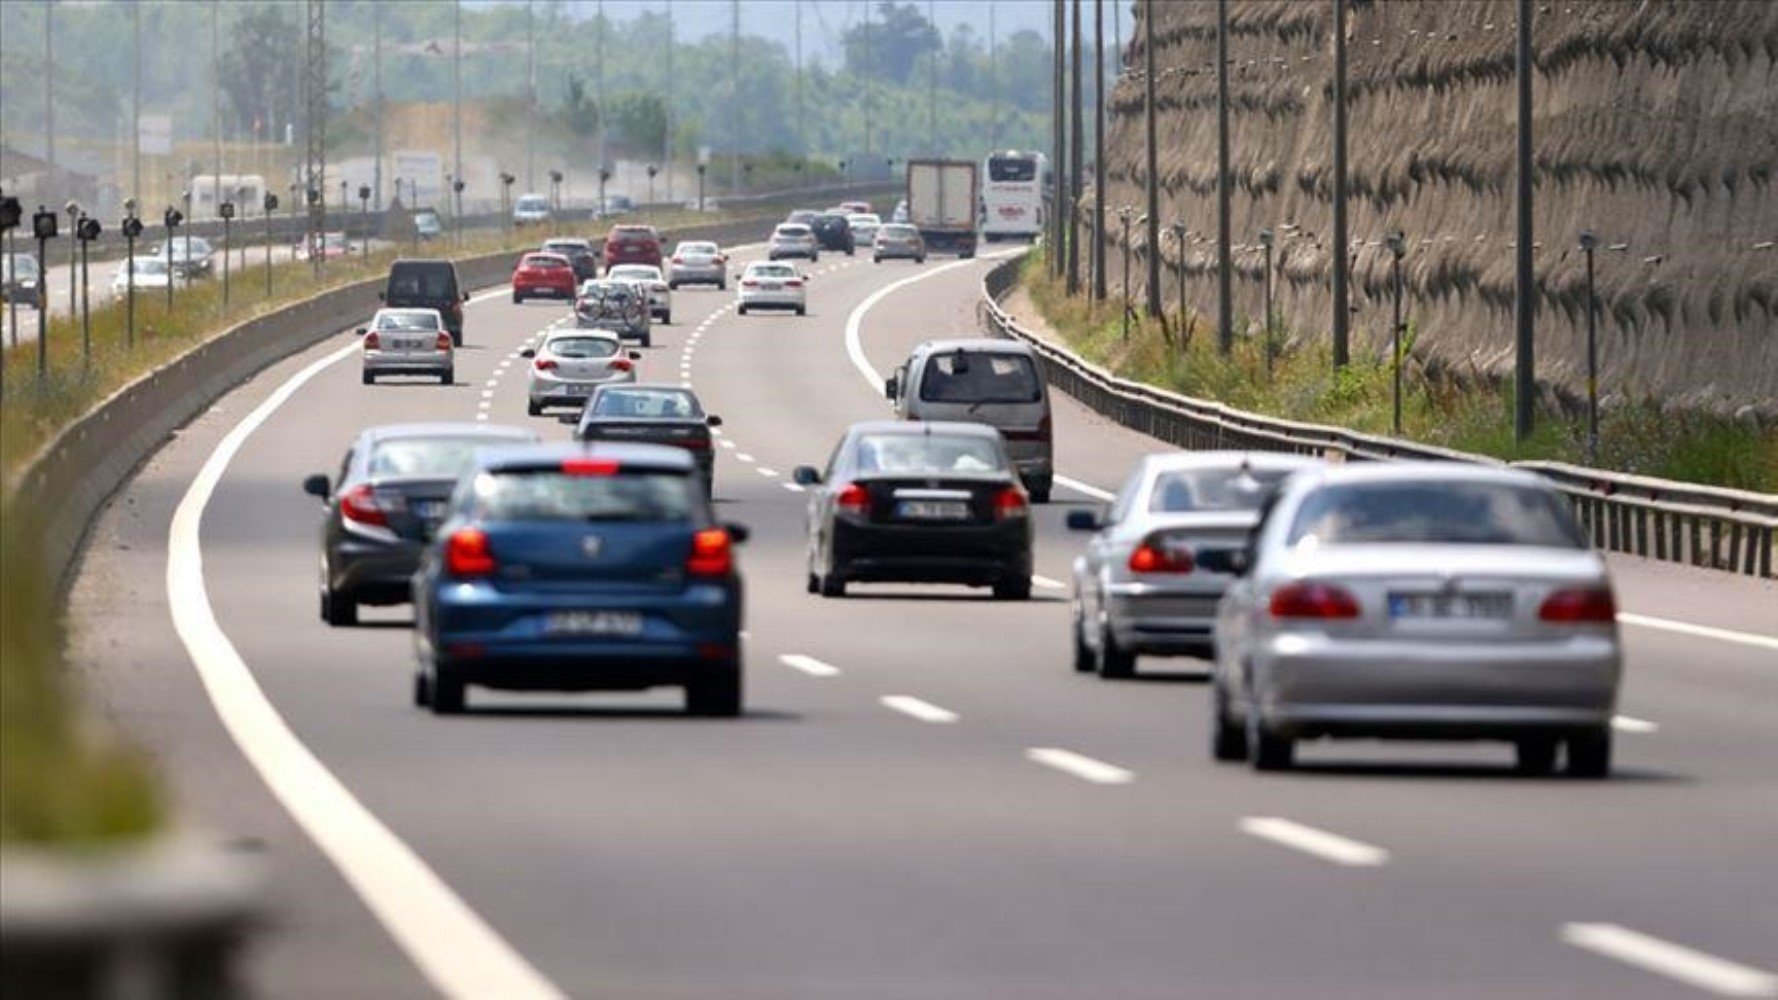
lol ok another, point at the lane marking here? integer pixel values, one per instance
(1701, 631)
(792, 487)
(1047, 583)
(762, 470)
(1675, 961)
(1087, 488)
(1081, 766)
(809, 665)
(1628, 724)
(457, 951)
(925, 711)
(1326, 846)
(743, 456)
(726, 443)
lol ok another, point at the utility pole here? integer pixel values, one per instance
(802, 137)
(734, 97)
(599, 89)
(1076, 153)
(315, 127)
(136, 106)
(1341, 238)
(866, 70)
(1155, 309)
(376, 72)
(1059, 159)
(993, 81)
(457, 95)
(1098, 266)
(1525, 303)
(531, 96)
(49, 91)
(932, 82)
(667, 137)
(1225, 265)
(216, 106)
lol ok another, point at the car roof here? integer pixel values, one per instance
(578, 332)
(980, 345)
(449, 428)
(1172, 461)
(1425, 471)
(564, 242)
(956, 428)
(647, 455)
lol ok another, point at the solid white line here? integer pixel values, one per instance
(457, 951)
(855, 319)
(1675, 961)
(1701, 631)
(1326, 846)
(809, 665)
(1087, 488)
(925, 711)
(1628, 724)
(1047, 583)
(762, 470)
(1086, 768)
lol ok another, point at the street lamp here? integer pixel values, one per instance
(1266, 240)
(43, 228)
(604, 175)
(845, 177)
(1124, 216)
(10, 214)
(344, 188)
(652, 170)
(701, 168)
(364, 214)
(746, 177)
(86, 231)
(313, 237)
(457, 212)
(271, 205)
(506, 182)
(1588, 243)
(555, 190)
(132, 228)
(227, 211)
(171, 218)
(74, 213)
(1397, 250)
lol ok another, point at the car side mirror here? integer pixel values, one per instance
(1234, 562)
(738, 533)
(635, 355)
(362, 331)
(466, 296)
(316, 486)
(713, 421)
(1084, 520)
(528, 353)
(571, 419)
(891, 387)
(805, 475)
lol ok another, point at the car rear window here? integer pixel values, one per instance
(407, 321)
(771, 271)
(1213, 489)
(976, 377)
(928, 453)
(1448, 513)
(589, 348)
(795, 232)
(697, 248)
(544, 261)
(549, 495)
(632, 233)
(425, 282)
(429, 457)
(659, 403)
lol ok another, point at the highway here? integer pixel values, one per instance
(923, 799)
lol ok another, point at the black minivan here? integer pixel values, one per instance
(428, 284)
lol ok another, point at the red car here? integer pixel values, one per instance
(632, 245)
(543, 274)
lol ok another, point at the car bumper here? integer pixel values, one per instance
(773, 300)
(977, 555)
(1159, 621)
(552, 291)
(1309, 684)
(780, 253)
(898, 252)
(575, 392)
(374, 572)
(391, 363)
(692, 275)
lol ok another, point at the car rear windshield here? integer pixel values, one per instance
(920, 454)
(697, 248)
(796, 232)
(975, 377)
(632, 233)
(589, 348)
(407, 321)
(533, 204)
(657, 403)
(423, 282)
(427, 457)
(566, 248)
(548, 495)
(1213, 489)
(609, 292)
(899, 232)
(1448, 513)
(771, 271)
(544, 261)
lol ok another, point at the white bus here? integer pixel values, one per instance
(1015, 195)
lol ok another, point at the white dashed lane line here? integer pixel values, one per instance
(1047, 583)
(728, 444)
(1675, 961)
(743, 456)
(925, 711)
(1080, 766)
(1629, 724)
(762, 470)
(809, 665)
(1326, 846)
(792, 487)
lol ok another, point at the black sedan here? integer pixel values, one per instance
(394, 487)
(581, 256)
(650, 414)
(834, 232)
(907, 501)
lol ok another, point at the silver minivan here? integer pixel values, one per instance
(993, 382)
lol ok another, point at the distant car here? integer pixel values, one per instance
(618, 306)
(151, 274)
(698, 262)
(21, 281)
(542, 275)
(651, 414)
(407, 342)
(190, 256)
(897, 240)
(1417, 600)
(793, 239)
(856, 206)
(804, 216)
(987, 381)
(570, 364)
(393, 489)
(632, 245)
(660, 294)
(864, 227)
(428, 284)
(581, 567)
(927, 503)
(580, 253)
(427, 224)
(531, 210)
(1138, 588)
(834, 233)
(615, 205)
(768, 285)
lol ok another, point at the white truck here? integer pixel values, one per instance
(944, 201)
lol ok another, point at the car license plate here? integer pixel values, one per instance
(407, 344)
(771, 286)
(579, 388)
(1451, 606)
(933, 510)
(594, 623)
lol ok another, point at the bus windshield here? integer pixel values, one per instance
(1012, 169)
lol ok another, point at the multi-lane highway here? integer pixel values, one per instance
(923, 799)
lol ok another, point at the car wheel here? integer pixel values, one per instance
(1017, 588)
(802, 310)
(448, 377)
(422, 689)
(516, 297)
(456, 340)
(814, 583)
(667, 318)
(337, 609)
(848, 253)
(876, 260)
(1589, 754)
(1536, 755)
(832, 583)
(722, 286)
(1228, 742)
(672, 286)
(741, 310)
(647, 340)
(1083, 654)
(717, 697)
(920, 260)
(370, 379)
(1266, 750)
(1040, 489)
(1115, 663)
(448, 691)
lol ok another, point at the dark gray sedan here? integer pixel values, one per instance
(393, 489)
(650, 414)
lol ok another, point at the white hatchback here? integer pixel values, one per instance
(570, 364)
(660, 297)
(769, 285)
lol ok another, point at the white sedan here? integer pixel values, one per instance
(152, 274)
(660, 297)
(864, 227)
(771, 285)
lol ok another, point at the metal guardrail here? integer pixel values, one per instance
(1706, 526)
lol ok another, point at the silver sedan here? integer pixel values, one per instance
(1417, 601)
(1138, 590)
(407, 342)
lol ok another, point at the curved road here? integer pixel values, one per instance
(923, 799)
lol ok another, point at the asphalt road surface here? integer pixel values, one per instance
(923, 799)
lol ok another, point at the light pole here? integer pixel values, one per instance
(74, 213)
(172, 218)
(43, 227)
(364, 214)
(1524, 290)
(271, 205)
(506, 182)
(652, 170)
(344, 210)
(746, 177)
(1124, 215)
(10, 214)
(132, 228)
(1397, 249)
(86, 231)
(701, 169)
(604, 176)
(1179, 246)
(227, 211)
(1588, 243)
(457, 211)
(555, 191)
(314, 235)
(1342, 316)
(1267, 240)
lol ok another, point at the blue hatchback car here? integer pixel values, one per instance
(578, 567)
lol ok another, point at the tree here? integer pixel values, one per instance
(895, 39)
(640, 120)
(258, 74)
(579, 111)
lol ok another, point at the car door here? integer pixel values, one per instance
(1236, 611)
(821, 502)
(1090, 584)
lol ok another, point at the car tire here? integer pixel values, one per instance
(457, 340)
(920, 260)
(667, 319)
(448, 691)
(1267, 750)
(516, 297)
(716, 697)
(722, 286)
(1535, 755)
(1115, 664)
(448, 377)
(370, 378)
(1589, 754)
(848, 253)
(534, 408)
(832, 584)
(740, 310)
(672, 286)
(802, 310)
(1040, 489)
(814, 583)
(1228, 742)
(1014, 589)
(422, 689)
(1084, 663)
(337, 609)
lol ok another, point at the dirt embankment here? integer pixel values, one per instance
(1656, 126)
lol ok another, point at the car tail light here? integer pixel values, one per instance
(678, 260)
(793, 283)
(1154, 556)
(545, 364)
(854, 499)
(1579, 605)
(372, 342)
(468, 554)
(622, 365)
(712, 555)
(1010, 503)
(1313, 600)
(589, 466)
(360, 506)
(442, 342)
(1044, 430)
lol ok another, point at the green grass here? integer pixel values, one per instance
(1439, 407)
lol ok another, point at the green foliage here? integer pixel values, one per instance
(639, 118)
(887, 46)
(580, 113)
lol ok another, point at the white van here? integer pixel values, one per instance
(977, 380)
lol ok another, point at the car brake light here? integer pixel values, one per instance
(467, 553)
(678, 260)
(1579, 605)
(442, 342)
(589, 466)
(793, 283)
(359, 504)
(854, 499)
(1044, 428)
(712, 555)
(1313, 600)
(622, 365)
(1010, 503)
(545, 364)
(1154, 557)
(372, 342)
